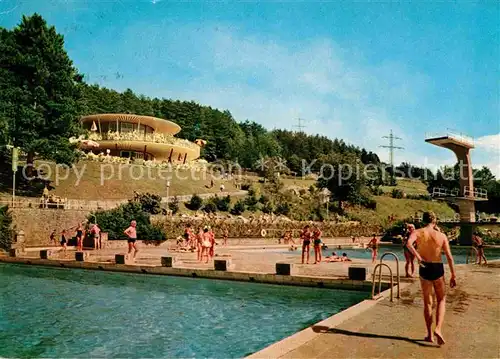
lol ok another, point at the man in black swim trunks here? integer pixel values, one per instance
(305, 235)
(431, 243)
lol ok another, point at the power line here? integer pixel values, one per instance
(300, 126)
(391, 148)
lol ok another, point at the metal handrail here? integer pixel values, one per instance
(380, 280)
(469, 254)
(397, 267)
(476, 192)
(452, 134)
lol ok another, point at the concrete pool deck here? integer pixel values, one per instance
(370, 329)
(381, 329)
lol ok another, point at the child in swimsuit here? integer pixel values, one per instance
(53, 237)
(63, 240)
(225, 234)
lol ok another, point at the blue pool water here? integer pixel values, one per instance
(459, 253)
(48, 312)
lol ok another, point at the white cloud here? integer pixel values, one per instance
(490, 143)
(274, 82)
(488, 153)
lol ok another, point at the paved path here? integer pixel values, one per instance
(395, 330)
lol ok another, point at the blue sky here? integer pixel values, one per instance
(350, 70)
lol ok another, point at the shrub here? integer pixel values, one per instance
(267, 208)
(397, 193)
(264, 199)
(6, 231)
(174, 205)
(210, 207)
(195, 203)
(376, 191)
(283, 208)
(246, 186)
(251, 200)
(239, 208)
(252, 192)
(222, 204)
(302, 191)
(421, 197)
(150, 203)
(116, 220)
(369, 203)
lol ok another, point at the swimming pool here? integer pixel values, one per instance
(459, 253)
(49, 312)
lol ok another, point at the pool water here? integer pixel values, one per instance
(459, 253)
(47, 312)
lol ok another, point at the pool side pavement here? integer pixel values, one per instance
(381, 329)
(207, 273)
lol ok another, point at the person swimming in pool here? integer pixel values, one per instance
(345, 258)
(131, 233)
(332, 258)
(431, 243)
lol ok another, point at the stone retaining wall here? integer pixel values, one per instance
(37, 224)
(237, 228)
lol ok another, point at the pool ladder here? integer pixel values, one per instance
(471, 253)
(379, 267)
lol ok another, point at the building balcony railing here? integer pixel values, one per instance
(140, 136)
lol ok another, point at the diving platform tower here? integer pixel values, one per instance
(466, 196)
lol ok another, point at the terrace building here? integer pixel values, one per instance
(139, 137)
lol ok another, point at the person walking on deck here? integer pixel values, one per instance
(431, 243)
(479, 245)
(373, 245)
(409, 257)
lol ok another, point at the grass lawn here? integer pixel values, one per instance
(408, 186)
(89, 180)
(402, 208)
(92, 180)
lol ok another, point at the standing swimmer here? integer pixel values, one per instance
(131, 233)
(431, 243)
(305, 236)
(409, 257)
(373, 244)
(317, 244)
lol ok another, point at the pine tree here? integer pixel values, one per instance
(40, 92)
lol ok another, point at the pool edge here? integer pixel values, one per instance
(342, 283)
(294, 341)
